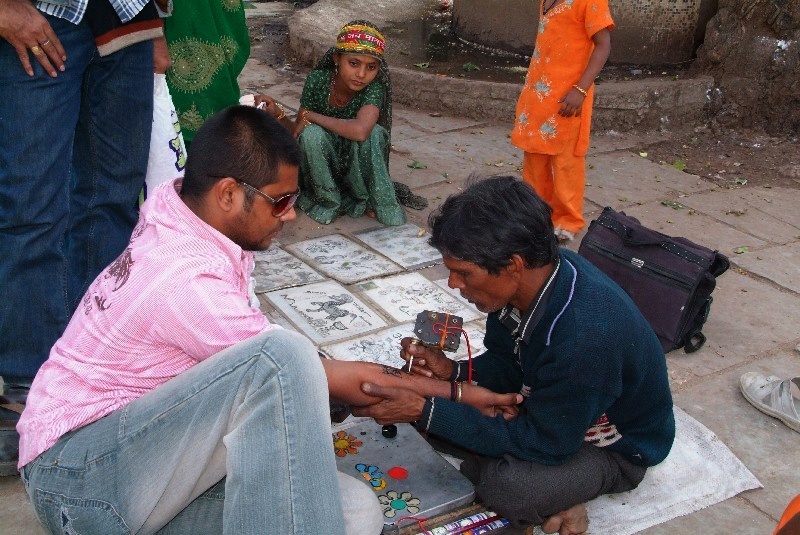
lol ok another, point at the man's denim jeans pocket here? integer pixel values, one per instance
(63, 514)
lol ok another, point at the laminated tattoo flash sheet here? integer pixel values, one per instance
(455, 293)
(382, 347)
(404, 296)
(406, 244)
(276, 269)
(343, 259)
(476, 330)
(325, 311)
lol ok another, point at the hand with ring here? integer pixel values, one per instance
(28, 31)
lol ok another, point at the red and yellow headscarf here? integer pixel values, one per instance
(360, 37)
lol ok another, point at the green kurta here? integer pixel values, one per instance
(209, 45)
(338, 175)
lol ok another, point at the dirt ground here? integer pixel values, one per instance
(732, 158)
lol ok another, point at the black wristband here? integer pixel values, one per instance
(454, 375)
(424, 421)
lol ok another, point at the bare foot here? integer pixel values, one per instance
(370, 213)
(572, 521)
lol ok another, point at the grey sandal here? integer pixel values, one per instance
(780, 398)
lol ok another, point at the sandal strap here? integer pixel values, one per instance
(782, 400)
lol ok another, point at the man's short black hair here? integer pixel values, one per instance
(241, 142)
(492, 220)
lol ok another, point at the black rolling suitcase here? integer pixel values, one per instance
(669, 279)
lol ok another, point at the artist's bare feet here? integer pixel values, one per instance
(370, 213)
(572, 521)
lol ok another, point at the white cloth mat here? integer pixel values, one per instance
(698, 472)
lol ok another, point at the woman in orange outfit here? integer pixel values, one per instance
(554, 110)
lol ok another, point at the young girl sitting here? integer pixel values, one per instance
(344, 126)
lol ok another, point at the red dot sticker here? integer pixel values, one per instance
(398, 472)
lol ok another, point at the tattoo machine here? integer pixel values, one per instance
(438, 330)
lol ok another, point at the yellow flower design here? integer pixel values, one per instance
(344, 444)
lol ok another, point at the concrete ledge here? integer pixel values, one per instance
(651, 104)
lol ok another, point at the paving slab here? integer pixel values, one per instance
(694, 224)
(780, 264)
(748, 318)
(430, 122)
(758, 440)
(621, 179)
(16, 513)
(770, 214)
(612, 140)
(733, 516)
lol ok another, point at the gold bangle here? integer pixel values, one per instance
(304, 117)
(459, 391)
(584, 92)
(283, 110)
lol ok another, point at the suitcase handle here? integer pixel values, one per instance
(626, 234)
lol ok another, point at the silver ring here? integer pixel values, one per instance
(410, 363)
(47, 42)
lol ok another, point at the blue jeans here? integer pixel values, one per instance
(73, 157)
(255, 414)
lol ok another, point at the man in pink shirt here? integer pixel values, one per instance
(170, 401)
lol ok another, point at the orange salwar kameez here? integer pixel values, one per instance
(555, 146)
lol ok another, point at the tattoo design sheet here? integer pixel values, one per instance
(343, 259)
(276, 269)
(404, 296)
(406, 244)
(325, 311)
(455, 293)
(382, 347)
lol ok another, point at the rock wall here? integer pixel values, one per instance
(752, 49)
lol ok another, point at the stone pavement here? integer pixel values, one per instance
(755, 319)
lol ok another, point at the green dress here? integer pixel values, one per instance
(338, 175)
(209, 45)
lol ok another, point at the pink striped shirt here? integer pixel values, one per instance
(177, 295)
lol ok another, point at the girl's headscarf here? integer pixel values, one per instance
(363, 37)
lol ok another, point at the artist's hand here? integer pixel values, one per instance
(426, 361)
(24, 27)
(491, 403)
(397, 405)
(571, 103)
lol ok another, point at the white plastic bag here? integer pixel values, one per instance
(167, 149)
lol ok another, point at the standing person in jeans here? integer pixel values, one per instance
(170, 401)
(75, 117)
(554, 111)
